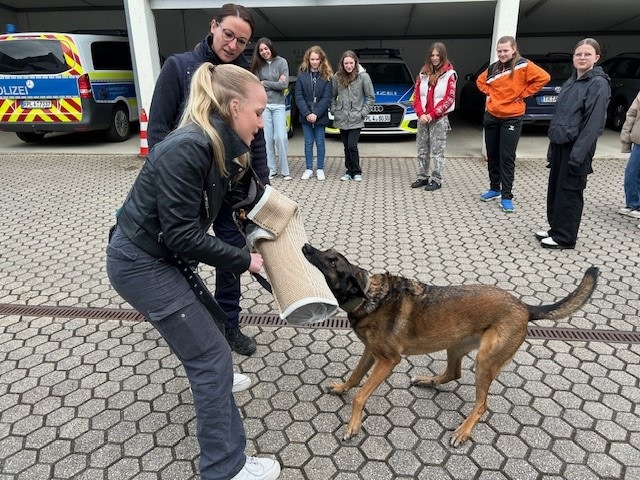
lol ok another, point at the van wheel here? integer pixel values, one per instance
(30, 137)
(120, 125)
(618, 116)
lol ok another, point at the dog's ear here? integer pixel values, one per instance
(358, 283)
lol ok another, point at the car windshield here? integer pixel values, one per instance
(388, 72)
(31, 56)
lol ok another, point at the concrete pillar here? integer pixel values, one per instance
(144, 46)
(505, 22)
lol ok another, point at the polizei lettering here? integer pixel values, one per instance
(10, 90)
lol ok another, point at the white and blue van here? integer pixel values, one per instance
(66, 82)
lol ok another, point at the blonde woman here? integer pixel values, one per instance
(173, 202)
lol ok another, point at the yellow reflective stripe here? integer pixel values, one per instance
(123, 75)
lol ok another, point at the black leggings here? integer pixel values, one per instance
(351, 154)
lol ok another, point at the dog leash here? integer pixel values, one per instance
(263, 282)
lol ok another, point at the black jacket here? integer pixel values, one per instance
(305, 94)
(177, 196)
(580, 115)
(171, 92)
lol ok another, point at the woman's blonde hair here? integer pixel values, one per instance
(213, 88)
(326, 72)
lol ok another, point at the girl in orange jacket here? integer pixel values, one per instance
(506, 83)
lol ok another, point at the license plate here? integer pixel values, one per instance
(549, 98)
(380, 118)
(36, 104)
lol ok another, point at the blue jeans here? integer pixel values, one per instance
(275, 134)
(158, 291)
(632, 179)
(313, 134)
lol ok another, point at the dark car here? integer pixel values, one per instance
(540, 106)
(624, 70)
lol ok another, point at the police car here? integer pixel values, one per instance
(66, 82)
(393, 112)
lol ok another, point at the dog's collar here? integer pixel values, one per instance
(351, 305)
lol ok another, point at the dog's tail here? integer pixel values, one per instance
(571, 303)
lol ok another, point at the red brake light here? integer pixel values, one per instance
(84, 85)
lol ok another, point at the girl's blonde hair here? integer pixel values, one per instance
(213, 87)
(326, 72)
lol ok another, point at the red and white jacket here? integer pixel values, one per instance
(438, 100)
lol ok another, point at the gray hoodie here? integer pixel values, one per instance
(269, 74)
(351, 104)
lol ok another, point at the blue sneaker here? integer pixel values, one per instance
(490, 195)
(507, 205)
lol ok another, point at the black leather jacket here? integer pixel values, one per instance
(177, 196)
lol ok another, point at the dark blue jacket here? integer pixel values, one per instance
(580, 116)
(305, 95)
(171, 92)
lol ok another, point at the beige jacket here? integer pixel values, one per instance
(630, 132)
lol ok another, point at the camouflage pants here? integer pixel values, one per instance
(431, 140)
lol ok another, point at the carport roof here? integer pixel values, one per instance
(293, 20)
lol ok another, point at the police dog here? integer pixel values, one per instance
(395, 316)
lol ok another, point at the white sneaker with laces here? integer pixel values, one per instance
(256, 468)
(306, 175)
(320, 174)
(240, 382)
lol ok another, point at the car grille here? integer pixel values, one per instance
(396, 112)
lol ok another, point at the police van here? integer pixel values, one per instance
(66, 82)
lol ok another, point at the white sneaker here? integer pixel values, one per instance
(306, 175)
(320, 174)
(286, 177)
(357, 178)
(624, 211)
(256, 468)
(634, 213)
(541, 234)
(345, 177)
(240, 382)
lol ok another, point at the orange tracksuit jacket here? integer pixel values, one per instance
(506, 94)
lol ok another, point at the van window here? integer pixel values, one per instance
(30, 56)
(111, 56)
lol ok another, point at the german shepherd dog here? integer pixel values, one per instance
(395, 316)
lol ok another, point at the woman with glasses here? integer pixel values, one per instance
(273, 71)
(506, 83)
(228, 37)
(578, 120)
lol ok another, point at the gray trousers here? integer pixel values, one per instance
(158, 291)
(431, 140)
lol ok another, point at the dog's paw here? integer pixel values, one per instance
(459, 437)
(338, 388)
(423, 382)
(350, 432)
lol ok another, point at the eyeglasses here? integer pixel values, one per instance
(228, 36)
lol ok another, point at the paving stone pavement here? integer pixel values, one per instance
(106, 400)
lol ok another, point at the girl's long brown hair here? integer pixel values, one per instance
(344, 78)
(429, 69)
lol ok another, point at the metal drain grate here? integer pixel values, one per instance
(335, 323)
